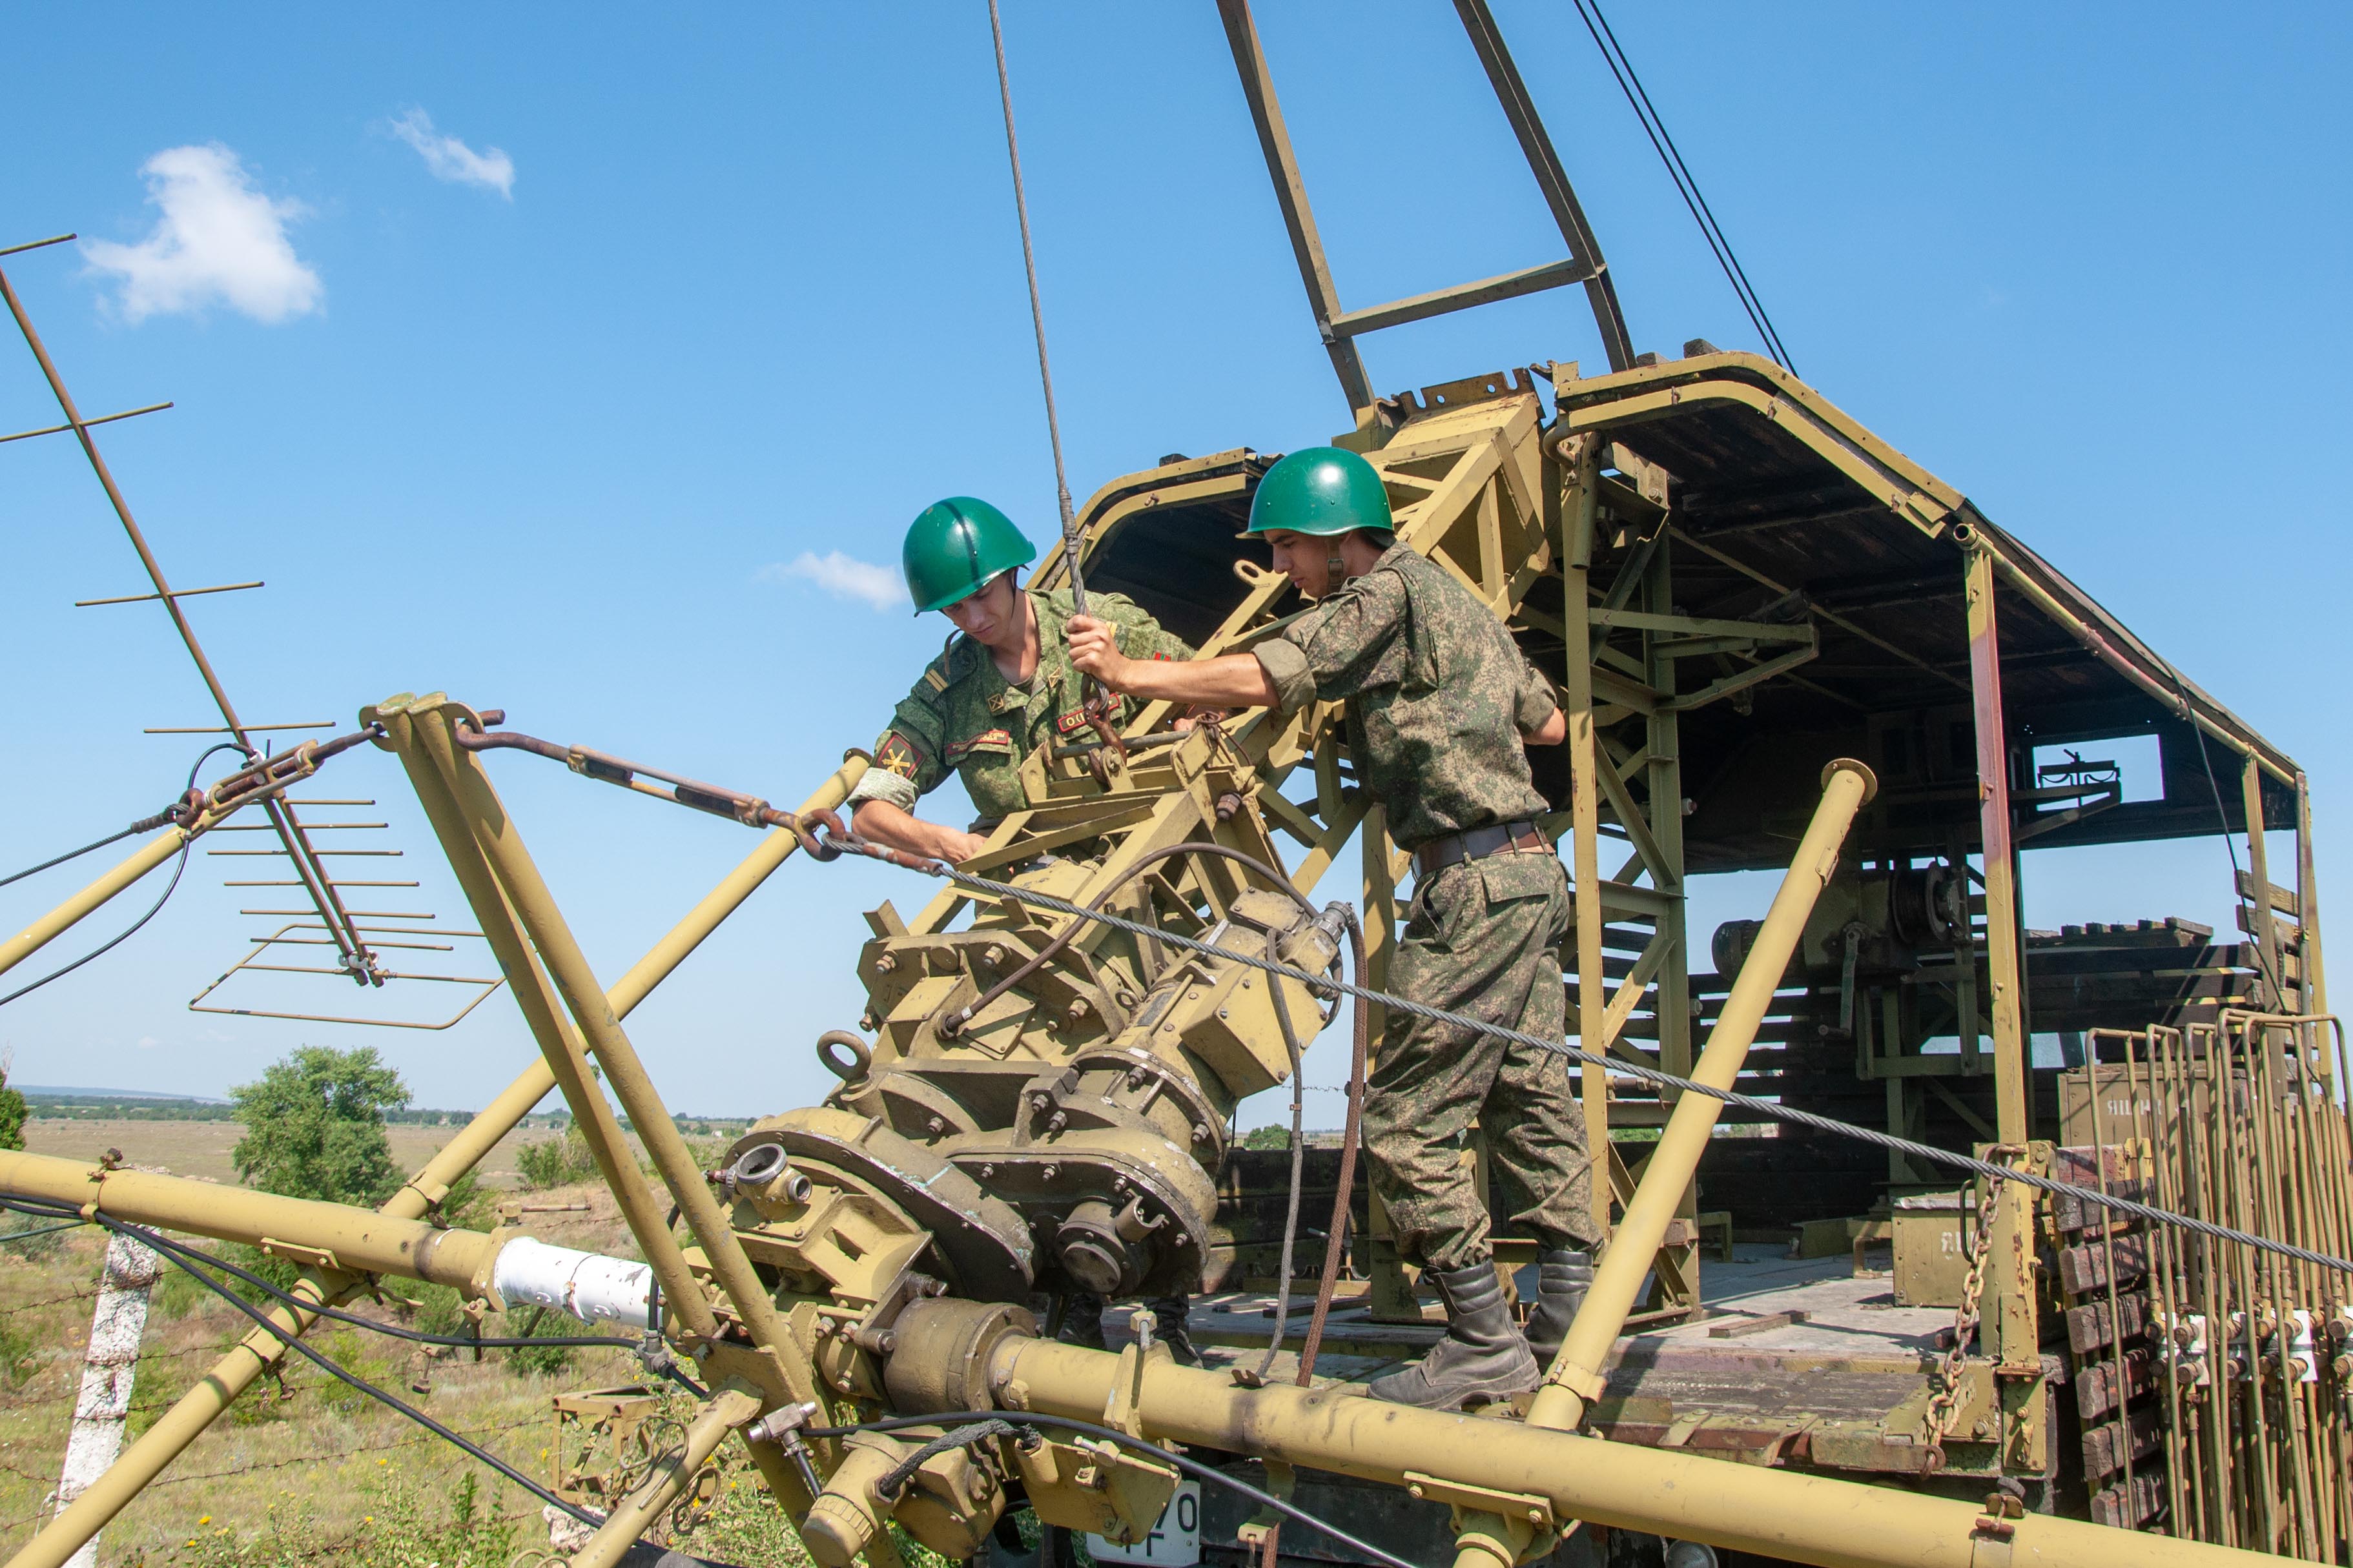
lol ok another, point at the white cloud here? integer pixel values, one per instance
(218, 242)
(450, 159)
(843, 577)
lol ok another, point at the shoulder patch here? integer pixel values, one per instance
(1076, 719)
(896, 754)
(935, 678)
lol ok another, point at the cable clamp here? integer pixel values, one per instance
(1125, 1408)
(1992, 1533)
(294, 1252)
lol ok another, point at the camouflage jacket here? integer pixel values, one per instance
(964, 715)
(1438, 695)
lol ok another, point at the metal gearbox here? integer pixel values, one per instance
(1055, 1116)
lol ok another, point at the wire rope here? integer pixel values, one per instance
(1037, 313)
(179, 869)
(145, 824)
(1622, 69)
(1765, 1108)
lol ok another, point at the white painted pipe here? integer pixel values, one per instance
(589, 1285)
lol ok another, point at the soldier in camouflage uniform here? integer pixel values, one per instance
(1002, 688)
(1438, 702)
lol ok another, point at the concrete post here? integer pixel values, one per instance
(107, 1367)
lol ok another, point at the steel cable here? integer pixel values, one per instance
(2239, 881)
(1653, 1076)
(1621, 68)
(1298, 1163)
(145, 824)
(179, 869)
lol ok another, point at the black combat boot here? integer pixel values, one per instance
(1563, 1277)
(1482, 1356)
(1082, 1320)
(1171, 1313)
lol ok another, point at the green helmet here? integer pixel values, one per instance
(1320, 490)
(956, 546)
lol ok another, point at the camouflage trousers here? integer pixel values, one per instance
(1483, 941)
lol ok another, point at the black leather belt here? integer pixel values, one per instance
(1478, 843)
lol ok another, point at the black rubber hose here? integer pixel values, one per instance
(172, 1252)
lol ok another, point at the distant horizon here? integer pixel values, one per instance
(30, 1090)
(38, 1091)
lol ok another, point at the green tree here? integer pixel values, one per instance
(314, 1126)
(12, 1110)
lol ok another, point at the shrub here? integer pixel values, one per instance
(12, 1110)
(468, 1204)
(314, 1126)
(556, 1162)
(545, 1360)
(406, 1526)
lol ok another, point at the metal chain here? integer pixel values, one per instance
(1945, 1404)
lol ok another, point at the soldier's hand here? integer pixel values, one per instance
(962, 847)
(1095, 650)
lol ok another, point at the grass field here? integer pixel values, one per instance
(306, 1471)
(201, 1148)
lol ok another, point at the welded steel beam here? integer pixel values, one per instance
(1441, 301)
(1544, 162)
(2004, 965)
(1290, 196)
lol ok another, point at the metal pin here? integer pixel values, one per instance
(225, 729)
(177, 593)
(86, 424)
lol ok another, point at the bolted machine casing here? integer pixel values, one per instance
(1053, 1117)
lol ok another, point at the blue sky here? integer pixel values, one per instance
(541, 415)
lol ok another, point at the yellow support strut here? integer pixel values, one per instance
(1575, 1378)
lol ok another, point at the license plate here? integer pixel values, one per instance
(1173, 1541)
